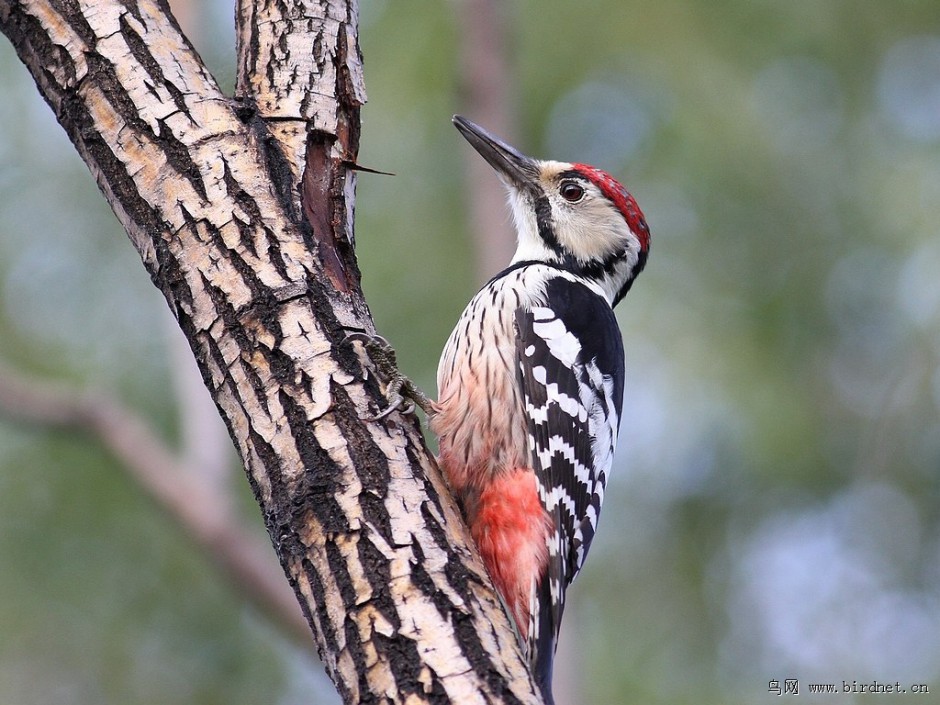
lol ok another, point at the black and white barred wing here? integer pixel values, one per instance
(570, 356)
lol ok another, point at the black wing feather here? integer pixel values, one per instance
(570, 356)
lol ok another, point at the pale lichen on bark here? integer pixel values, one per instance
(241, 210)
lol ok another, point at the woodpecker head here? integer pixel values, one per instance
(571, 215)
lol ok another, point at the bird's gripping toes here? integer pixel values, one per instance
(530, 384)
(401, 393)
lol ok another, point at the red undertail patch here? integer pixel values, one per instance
(511, 529)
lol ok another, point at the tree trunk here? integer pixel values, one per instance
(242, 212)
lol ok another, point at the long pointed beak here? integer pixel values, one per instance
(515, 168)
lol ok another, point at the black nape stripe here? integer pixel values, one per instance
(637, 268)
(519, 265)
(593, 271)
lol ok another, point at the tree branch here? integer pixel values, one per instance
(258, 268)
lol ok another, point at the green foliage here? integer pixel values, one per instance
(773, 513)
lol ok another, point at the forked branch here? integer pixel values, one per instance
(241, 210)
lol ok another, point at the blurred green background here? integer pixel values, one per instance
(773, 512)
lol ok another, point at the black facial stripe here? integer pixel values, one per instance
(543, 220)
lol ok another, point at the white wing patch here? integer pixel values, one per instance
(561, 344)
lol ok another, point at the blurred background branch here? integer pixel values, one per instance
(487, 85)
(199, 503)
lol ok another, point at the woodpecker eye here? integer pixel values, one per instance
(571, 191)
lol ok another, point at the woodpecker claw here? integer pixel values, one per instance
(401, 393)
(396, 401)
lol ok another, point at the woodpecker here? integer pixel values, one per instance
(530, 384)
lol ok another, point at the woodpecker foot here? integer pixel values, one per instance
(401, 393)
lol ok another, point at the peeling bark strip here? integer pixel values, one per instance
(300, 80)
(241, 210)
(319, 201)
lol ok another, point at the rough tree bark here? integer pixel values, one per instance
(242, 212)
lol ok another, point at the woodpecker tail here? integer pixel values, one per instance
(543, 639)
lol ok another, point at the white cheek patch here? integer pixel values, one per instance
(592, 229)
